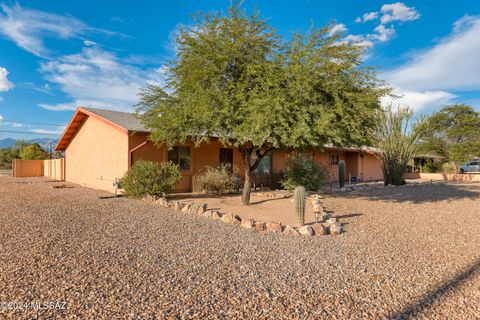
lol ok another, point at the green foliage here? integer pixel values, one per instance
(216, 180)
(150, 178)
(449, 167)
(33, 152)
(299, 196)
(432, 167)
(236, 78)
(455, 133)
(398, 141)
(341, 173)
(6, 158)
(303, 170)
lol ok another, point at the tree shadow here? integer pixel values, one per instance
(419, 193)
(415, 308)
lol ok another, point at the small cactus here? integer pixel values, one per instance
(341, 173)
(299, 195)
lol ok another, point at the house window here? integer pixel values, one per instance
(334, 158)
(226, 157)
(180, 156)
(265, 166)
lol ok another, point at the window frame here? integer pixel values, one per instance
(332, 162)
(178, 158)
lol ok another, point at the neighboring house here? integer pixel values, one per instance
(101, 145)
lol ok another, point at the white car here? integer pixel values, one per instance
(472, 166)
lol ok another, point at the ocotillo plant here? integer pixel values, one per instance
(299, 195)
(341, 173)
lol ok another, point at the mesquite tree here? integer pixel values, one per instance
(235, 78)
(398, 140)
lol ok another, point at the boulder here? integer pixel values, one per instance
(290, 231)
(306, 231)
(273, 227)
(162, 202)
(321, 229)
(207, 214)
(248, 223)
(215, 215)
(230, 218)
(176, 205)
(335, 228)
(331, 221)
(317, 205)
(325, 216)
(201, 209)
(193, 208)
(186, 208)
(260, 226)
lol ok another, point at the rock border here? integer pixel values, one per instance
(328, 226)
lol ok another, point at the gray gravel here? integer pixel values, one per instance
(407, 252)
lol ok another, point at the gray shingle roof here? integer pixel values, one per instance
(124, 119)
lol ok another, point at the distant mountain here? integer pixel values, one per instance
(43, 142)
(7, 143)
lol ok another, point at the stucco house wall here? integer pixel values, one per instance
(96, 155)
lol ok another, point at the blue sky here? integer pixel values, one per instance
(55, 55)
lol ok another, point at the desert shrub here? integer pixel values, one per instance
(302, 170)
(150, 178)
(449, 167)
(222, 179)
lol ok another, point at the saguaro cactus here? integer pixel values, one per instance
(299, 195)
(341, 173)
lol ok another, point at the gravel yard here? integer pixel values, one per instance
(408, 252)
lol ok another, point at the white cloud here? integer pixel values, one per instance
(5, 84)
(383, 34)
(338, 28)
(1, 117)
(398, 11)
(48, 131)
(367, 17)
(27, 27)
(419, 101)
(98, 78)
(58, 107)
(452, 64)
(388, 14)
(359, 39)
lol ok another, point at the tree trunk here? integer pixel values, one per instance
(247, 187)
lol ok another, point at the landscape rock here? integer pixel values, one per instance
(248, 223)
(216, 215)
(325, 216)
(306, 231)
(321, 229)
(193, 208)
(273, 227)
(290, 231)
(260, 226)
(335, 228)
(186, 208)
(201, 209)
(317, 205)
(176, 205)
(331, 221)
(230, 218)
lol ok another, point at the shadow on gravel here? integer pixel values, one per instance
(424, 193)
(412, 310)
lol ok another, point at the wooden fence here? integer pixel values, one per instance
(52, 169)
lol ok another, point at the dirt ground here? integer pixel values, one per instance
(407, 253)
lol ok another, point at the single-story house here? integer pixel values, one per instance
(101, 145)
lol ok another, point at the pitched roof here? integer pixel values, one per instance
(122, 121)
